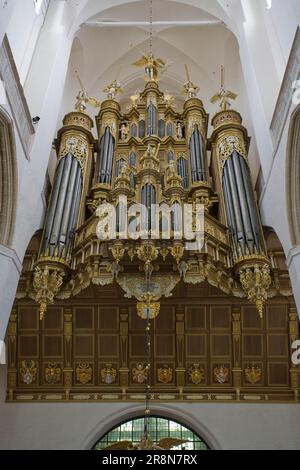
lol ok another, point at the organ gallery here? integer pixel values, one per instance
(216, 299)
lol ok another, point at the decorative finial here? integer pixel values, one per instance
(189, 88)
(83, 97)
(223, 96)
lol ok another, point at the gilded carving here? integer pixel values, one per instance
(221, 374)
(165, 374)
(108, 374)
(52, 373)
(256, 281)
(47, 284)
(253, 374)
(140, 373)
(229, 144)
(196, 374)
(84, 373)
(28, 371)
(77, 145)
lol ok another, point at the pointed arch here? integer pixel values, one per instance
(8, 178)
(293, 175)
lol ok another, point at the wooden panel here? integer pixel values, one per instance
(251, 319)
(138, 345)
(277, 317)
(108, 346)
(83, 318)
(196, 345)
(52, 346)
(84, 346)
(278, 374)
(28, 318)
(195, 318)
(164, 345)
(108, 318)
(53, 320)
(278, 345)
(28, 346)
(220, 318)
(166, 319)
(252, 345)
(220, 345)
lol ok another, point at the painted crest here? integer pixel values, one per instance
(196, 374)
(52, 373)
(28, 372)
(108, 374)
(221, 374)
(165, 374)
(253, 374)
(84, 373)
(140, 373)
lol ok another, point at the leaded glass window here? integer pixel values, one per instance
(158, 428)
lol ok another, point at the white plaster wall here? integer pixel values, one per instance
(78, 426)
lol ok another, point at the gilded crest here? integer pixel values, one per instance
(108, 374)
(165, 374)
(84, 373)
(28, 372)
(253, 374)
(52, 373)
(140, 373)
(221, 374)
(196, 374)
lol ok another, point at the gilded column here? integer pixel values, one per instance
(236, 350)
(12, 354)
(68, 343)
(180, 357)
(293, 336)
(124, 370)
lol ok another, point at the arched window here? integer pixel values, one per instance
(7, 178)
(170, 129)
(161, 128)
(182, 169)
(133, 130)
(142, 129)
(293, 175)
(159, 428)
(132, 159)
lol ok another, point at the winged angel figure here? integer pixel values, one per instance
(151, 65)
(146, 443)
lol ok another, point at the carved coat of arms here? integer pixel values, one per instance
(221, 374)
(253, 374)
(52, 373)
(140, 373)
(28, 371)
(165, 374)
(196, 374)
(108, 374)
(84, 373)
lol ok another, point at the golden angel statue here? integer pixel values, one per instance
(223, 96)
(151, 65)
(113, 89)
(189, 88)
(83, 97)
(146, 443)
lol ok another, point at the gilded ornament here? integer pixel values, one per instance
(118, 252)
(77, 145)
(28, 371)
(229, 144)
(47, 284)
(177, 251)
(108, 374)
(140, 373)
(52, 373)
(196, 374)
(221, 374)
(253, 374)
(148, 309)
(256, 281)
(84, 373)
(165, 374)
